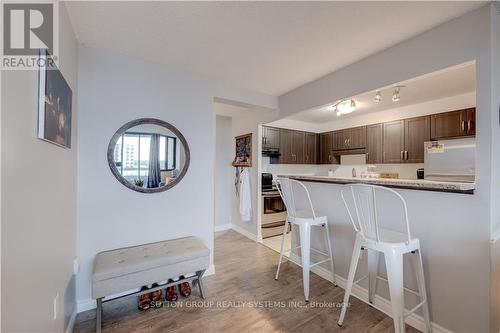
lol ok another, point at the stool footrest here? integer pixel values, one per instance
(320, 262)
(408, 313)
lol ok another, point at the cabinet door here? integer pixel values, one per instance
(340, 139)
(470, 117)
(374, 139)
(286, 146)
(270, 137)
(417, 131)
(356, 138)
(298, 147)
(311, 148)
(448, 125)
(326, 147)
(393, 142)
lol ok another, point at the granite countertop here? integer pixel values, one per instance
(410, 184)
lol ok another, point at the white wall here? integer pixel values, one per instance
(243, 123)
(297, 125)
(115, 89)
(224, 171)
(39, 191)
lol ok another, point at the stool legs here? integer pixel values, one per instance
(283, 241)
(394, 264)
(356, 252)
(98, 316)
(419, 271)
(200, 284)
(305, 254)
(330, 252)
(373, 259)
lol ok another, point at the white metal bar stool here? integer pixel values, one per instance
(361, 203)
(304, 219)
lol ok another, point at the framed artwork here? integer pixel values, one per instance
(243, 153)
(54, 105)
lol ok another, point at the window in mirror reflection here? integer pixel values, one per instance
(132, 154)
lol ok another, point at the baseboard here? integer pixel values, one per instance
(244, 232)
(85, 305)
(210, 271)
(379, 303)
(222, 227)
(71, 321)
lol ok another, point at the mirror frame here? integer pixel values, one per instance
(149, 121)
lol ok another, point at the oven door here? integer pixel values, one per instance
(273, 204)
(273, 215)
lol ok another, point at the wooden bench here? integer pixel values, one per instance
(129, 268)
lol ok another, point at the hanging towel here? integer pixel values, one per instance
(245, 192)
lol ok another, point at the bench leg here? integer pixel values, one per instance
(200, 285)
(98, 316)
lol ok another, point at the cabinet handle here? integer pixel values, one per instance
(469, 127)
(367, 157)
(406, 155)
(463, 126)
(402, 155)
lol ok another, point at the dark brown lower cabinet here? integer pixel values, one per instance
(393, 142)
(374, 139)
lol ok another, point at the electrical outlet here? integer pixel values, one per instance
(55, 305)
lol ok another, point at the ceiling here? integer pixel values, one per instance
(449, 82)
(268, 47)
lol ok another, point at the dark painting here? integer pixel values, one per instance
(243, 153)
(54, 111)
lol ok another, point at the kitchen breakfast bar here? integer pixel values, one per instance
(444, 216)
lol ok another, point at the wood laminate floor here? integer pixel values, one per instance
(244, 297)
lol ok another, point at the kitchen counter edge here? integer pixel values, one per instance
(406, 184)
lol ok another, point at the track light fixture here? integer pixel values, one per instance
(396, 96)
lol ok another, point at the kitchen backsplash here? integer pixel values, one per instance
(406, 170)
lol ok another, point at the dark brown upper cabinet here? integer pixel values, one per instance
(417, 131)
(350, 138)
(374, 140)
(326, 148)
(293, 147)
(298, 147)
(454, 124)
(393, 142)
(311, 148)
(471, 121)
(286, 146)
(270, 138)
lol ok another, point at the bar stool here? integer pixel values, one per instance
(304, 219)
(361, 203)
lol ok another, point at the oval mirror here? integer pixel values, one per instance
(148, 155)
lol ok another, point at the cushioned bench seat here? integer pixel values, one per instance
(124, 269)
